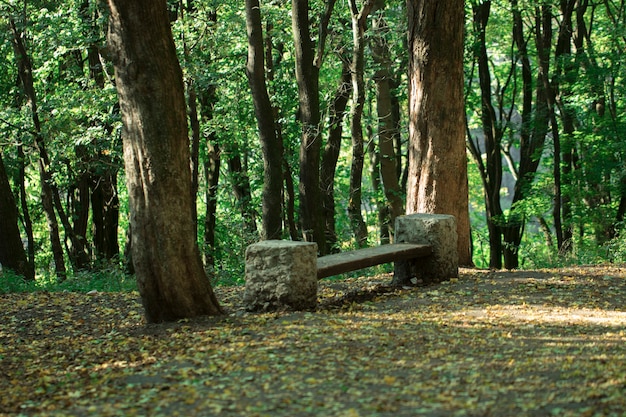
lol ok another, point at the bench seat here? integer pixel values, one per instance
(340, 263)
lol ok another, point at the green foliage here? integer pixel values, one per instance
(11, 282)
(81, 123)
(106, 277)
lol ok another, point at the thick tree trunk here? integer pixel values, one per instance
(437, 178)
(307, 76)
(169, 270)
(271, 146)
(12, 253)
(194, 123)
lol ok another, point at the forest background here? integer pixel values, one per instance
(544, 119)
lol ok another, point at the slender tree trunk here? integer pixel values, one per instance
(212, 161)
(564, 70)
(105, 207)
(212, 164)
(387, 124)
(437, 178)
(493, 138)
(534, 129)
(103, 181)
(26, 73)
(288, 194)
(241, 188)
(25, 211)
(78, 202)
(271, 146)
(359, 22)
(330, 155)
(169, 270)
(307, 76)
(212, 174)
(12, 253)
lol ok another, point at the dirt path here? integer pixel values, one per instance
(526, 343)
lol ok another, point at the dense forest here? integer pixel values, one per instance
(545, 130)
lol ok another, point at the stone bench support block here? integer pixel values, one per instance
(438, 231)
(281, 275)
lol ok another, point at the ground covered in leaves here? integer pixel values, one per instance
(525, 343)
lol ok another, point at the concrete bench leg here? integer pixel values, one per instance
(437, 230)
(281, 275)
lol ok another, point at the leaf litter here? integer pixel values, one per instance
(523, 343)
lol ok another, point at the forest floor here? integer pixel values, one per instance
(523, 343)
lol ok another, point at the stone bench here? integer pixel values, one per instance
(283, 275)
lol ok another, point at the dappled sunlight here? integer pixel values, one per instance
(487, 343)
(546, 314)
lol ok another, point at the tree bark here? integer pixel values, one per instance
(387, 123)
(271, 146)
(169, 270)
(105, 208)
(533, 131)
(330, 155)
(561, 92)
(12, 253)
(359, 22)
(28, 223)
(103, 178)
(437, 178)
(242, 190)
(212, 162)
(491, 169)
(25, 72)
(307, 76)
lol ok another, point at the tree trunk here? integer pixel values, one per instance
(491, 169)
(241, 188)
(564, 71)
(271, 146)
(12, 253)
(25, 72)
(169, 270)
(289, 194)
(534, 129)
(105, 208)
(212, 164)
(104, 198)
(359, 22)
(387, 124)
(307, 76)
(78, 202)
(330, 155)
(194, 123)
(437, 178)
(28, 224)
